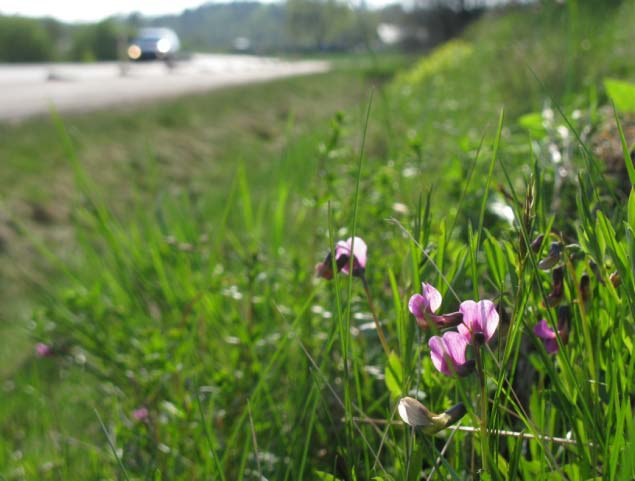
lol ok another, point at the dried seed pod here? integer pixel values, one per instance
(585, 287)
(536, 243)
(596, 271)
(552, 258)
(557, 291)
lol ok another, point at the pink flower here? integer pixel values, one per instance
(43, 350)
(429, 302)
(140, 414)
(423, 306)
(342, 258)
(480, 321)
(343, 252)
(549, 337)
(448, 354)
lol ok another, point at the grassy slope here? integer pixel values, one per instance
(213, 309)
(188, 147)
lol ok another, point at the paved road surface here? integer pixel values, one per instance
(30, 90)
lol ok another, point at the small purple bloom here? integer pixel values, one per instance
(480, 320)
(140, 414)
(428, 303)
(342, 259)
(549, 336)
(343, 251)
(423, 306)
(448, 354)
(43, 350)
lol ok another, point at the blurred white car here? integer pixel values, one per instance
(154, 44)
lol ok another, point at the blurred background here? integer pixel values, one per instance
(40, 31)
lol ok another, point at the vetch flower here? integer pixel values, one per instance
(140, 414)
(480, 321)
(423, 306)
(549, 336)
(358, 248)
(43, 350)
(448, 354)
(415, 414)
(343, 251)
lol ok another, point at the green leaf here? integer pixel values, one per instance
(631, 209)
(322, 476)
(394, 375)
(533, 122)
(621, 93)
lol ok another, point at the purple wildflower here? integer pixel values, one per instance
(423, 306)
(140, 414)
(342, 258)
(549, 336)
(448, 354)
(480, 321)
(43, 350)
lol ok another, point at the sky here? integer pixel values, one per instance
(91, 10)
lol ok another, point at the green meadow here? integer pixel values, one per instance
(161, 314)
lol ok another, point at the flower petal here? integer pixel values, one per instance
(469, 310)
(455, 345)
(551, 345)
(432, 296)
(437, 354)
(543, 331)
(489, 319)
(358, 248)
(413, 413)
(417, 305)
(465, 332)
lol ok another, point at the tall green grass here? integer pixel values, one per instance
(205, 310)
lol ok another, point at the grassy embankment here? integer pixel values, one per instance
(201, 306)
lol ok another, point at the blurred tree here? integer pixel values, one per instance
(95, 42)
(24, 40)
(327, 24)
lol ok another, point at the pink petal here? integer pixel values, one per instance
(432, 296)
(417, 305)
(437, 354)
(469, 310)
(455, 345)
(489, 319)
(543, 331)
(551, 345)
(359, 249)
(465, 332)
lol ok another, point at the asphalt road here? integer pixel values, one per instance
(29, 90)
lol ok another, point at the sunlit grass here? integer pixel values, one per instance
(201, 304)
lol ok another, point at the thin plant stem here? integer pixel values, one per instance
(477, 430)
(379, 329)
(483, 421)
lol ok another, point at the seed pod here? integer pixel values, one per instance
(585, 287)
(552, 258)
(536, 243)
(596, 271)
(555, 296)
